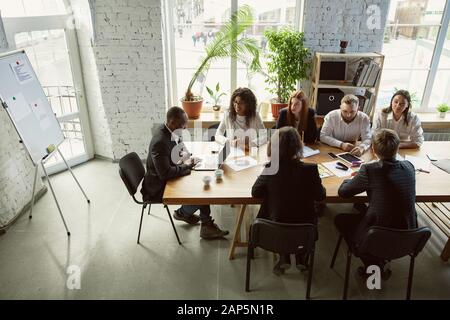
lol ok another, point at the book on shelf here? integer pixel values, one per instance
(368, 102)
(366, 74)
(377, 78)
(363, 74)
(358, 73)
(362, 102)
(372, 79)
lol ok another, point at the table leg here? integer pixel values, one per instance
(238, 216)
(446, 252)
(237, 231)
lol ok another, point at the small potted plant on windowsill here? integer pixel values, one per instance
(443, 108)
(288, 62)
(215, 96)
(227, 42)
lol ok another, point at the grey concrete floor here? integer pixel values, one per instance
(35, 254)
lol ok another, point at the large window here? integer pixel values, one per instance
(194, 25)
(411, 39)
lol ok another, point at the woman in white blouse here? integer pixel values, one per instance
(241, 123)
(398, 117)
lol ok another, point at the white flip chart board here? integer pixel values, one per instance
(24, 100)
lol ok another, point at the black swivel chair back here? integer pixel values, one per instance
(388, 244)
(391, 244)
(132, 172)
(282, 238)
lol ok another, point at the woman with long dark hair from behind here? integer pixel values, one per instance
(289, 194)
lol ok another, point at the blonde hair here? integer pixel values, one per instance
(385, 143)
(350, 99)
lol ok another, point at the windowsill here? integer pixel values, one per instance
(428, 120)
(432, 120)
(207, 119)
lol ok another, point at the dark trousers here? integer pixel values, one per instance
(205, 211)
(350, 226)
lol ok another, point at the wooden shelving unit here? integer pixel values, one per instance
(353, 60)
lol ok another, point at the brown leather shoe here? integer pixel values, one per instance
(192, 219)
(210, 230)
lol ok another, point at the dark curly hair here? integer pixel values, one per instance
(405, 94)
(249, 98)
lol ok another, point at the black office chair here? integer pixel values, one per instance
(132, 172)
(282, 238)
(386, 244)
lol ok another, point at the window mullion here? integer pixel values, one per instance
(170, 54)
(436, 55)
(233, 65)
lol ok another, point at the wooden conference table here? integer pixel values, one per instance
(235, 187)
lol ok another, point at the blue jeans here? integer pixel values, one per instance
(205, 211)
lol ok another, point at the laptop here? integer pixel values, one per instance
(214, 161)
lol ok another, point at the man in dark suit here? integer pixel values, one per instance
(167, 159)
(391, 188)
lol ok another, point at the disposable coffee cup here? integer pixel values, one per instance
(206, 180)
(219, 174)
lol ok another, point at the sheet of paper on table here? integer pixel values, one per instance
(308, 152)
(419, 162)
(338, 172)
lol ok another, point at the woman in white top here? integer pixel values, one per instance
(241, 123)
(398, 117)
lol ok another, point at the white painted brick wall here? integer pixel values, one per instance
(123, 74)
(327, 22)
(98, 121)
(130, 65)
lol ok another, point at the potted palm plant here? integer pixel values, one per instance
(288, 62)
(443, 108)
(226, 43)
